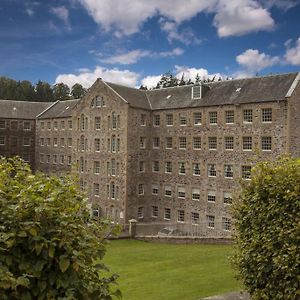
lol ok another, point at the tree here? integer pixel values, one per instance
(25, 91)
(182, 81)
(43, 92)
(61, 92)
(267, 223)
(77, 91)
(50, 248)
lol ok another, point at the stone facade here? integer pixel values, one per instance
(173, 155)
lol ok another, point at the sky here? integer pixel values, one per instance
(133, 42)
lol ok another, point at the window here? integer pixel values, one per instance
(42, 125)
(54, 159)
(113, 144)
(155, 189)
(154, 211)
(229, 116)
(82, 124)
(169, 142)
(169, 120)
(156, 142)
(42, 142)
(213, 117)
(41, 158)
(226, 224)
(97, 123)
(182, 120)
(195, 218)
(26, 125)
(97, 145)
(26, 141)
(49, 125)
(196, 169)
(228, 142)
(182, 143)
(62, 159)
(168, 167)
(62, 125)
(2, 124)
(247, 143)
(96, 167)
(156, 120)
(212, 172)
(69, 160)
(248, 116)
(2, 140)
(96, 189)
(141, 189)
(48, 158)
(113, 190)
(196, 92)
(266, 143)
(55, 142)
(140, 213)
(48, 142)
(210, 221)
(181, 192)
(181, 168)
(69, 142)
(211, 196)
(195, 194)
(143, 120)
(246, 172)
(197, 118)
(167, 213)
(180, 216)
(227, 198)
(62, 142)
(70, 124)
(55, 125)
(113, 120)
(266, 115)
(197, 143)
(228, 171)
(142, 142)
(155, 166)
(212, 143)
(113, 167)
(142, 166)
(95, 212)
(168, 191)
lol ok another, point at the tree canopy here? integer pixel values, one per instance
(267, 223)
(50, 248)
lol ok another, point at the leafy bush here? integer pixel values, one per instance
(267, 214)
(49, 247)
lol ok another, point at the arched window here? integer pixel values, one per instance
(82, 143)
(113, 167)
(113, 190)
(81, 165)
(86, 123)
(113, 120)
(118, 122)
(85, 145)
(82, 122)
(113, 144)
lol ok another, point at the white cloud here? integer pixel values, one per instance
(190, 73)
(151, 81)
(281, 4)
(234, 17)
(254, 61)
(292, 55)
(133, 56)
(62, 13)
(239, 17)
(29, 11)
(88, 77)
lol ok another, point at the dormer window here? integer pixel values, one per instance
(196, 92)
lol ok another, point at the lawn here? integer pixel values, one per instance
(153, 271)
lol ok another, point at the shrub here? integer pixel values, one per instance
(49, 246)
(267, 222)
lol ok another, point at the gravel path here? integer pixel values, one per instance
(230, 296)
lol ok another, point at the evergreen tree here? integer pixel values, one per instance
(8, 88)
(77, 91)
(143, 87)
(43, 92)
(182, 81)
(197, 79)
(25, 91)
(61, 91)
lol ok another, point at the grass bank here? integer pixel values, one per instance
(150, 271)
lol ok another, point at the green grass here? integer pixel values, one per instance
(153, 271)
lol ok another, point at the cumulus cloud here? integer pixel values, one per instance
(235, 17)
(238, 17)
(62, 13)
(151, 81)
(87, 77)
(292, 55)
(254, 61)
(281, 4)
(133, 56)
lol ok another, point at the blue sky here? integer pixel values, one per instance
(135, 41)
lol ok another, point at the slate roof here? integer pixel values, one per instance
(12, 109)
(239, 91)
(60, 109)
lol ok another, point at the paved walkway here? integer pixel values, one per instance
(230, 296)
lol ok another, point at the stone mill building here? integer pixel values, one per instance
(171, 155)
